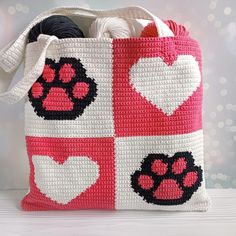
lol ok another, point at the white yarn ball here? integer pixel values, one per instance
(110, 27)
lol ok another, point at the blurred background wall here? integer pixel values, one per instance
(211, 22)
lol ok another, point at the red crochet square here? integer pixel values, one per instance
(135, 115)
(52, 161)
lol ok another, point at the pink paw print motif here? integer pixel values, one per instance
(165, 180)
(63, 90)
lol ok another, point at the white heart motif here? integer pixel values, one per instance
(64, 182)
(166, 86)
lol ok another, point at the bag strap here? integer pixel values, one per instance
(18, 91)
(12, 55)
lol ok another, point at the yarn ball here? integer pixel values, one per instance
(178, 30)
(110, 27)
(151, 31)
(60, 26)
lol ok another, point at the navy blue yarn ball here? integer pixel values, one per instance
(60, 26)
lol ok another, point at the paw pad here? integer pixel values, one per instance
(63, 90)
(165, 180)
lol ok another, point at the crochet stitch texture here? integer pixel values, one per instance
(112, 123)
(146, 101)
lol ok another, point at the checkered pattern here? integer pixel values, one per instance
(148, 102)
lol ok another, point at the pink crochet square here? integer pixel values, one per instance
(51, 158)
(135, 114)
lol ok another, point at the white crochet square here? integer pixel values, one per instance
(97, 118)
(130, 151)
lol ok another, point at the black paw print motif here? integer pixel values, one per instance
(63, 90)
(165, 180)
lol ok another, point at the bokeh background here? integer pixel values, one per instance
(211, 22)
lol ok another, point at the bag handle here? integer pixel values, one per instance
(18, 91)
(12, 55)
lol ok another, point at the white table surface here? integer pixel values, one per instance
(219, 220)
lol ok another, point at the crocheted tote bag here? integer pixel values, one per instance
(110, 123)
